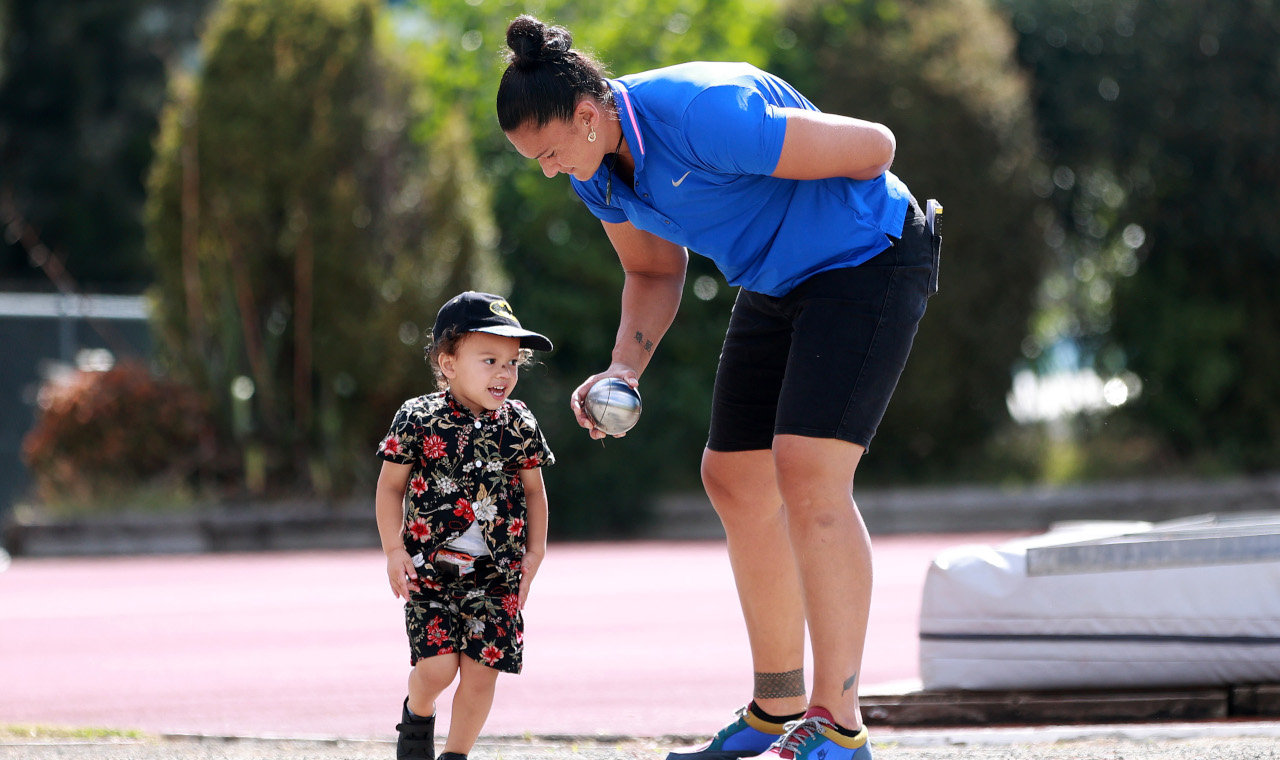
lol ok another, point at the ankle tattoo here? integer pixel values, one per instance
(779, 685)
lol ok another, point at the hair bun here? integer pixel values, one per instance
(532, 41)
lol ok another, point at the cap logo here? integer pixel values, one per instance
(503, 309)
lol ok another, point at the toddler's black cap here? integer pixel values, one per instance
(487, 313)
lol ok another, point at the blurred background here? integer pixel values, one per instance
(228, 225)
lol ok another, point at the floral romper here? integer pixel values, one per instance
(466, 469)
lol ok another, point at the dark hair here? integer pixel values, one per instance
(545, 77)
(449, 343)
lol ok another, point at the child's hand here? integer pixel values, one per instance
(529, 568)
(401, 573)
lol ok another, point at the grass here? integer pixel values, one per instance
(12, 732)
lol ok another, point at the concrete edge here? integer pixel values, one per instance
(938, 737)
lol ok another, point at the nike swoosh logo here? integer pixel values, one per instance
(676, 182)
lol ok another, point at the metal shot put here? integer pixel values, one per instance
(613, 406)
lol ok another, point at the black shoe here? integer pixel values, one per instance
(417, 736)
(452, 756)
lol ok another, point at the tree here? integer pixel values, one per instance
(943, 77)
(303, 242)
(1163, 119)
(81, 85)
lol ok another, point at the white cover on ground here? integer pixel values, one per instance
(986, 625)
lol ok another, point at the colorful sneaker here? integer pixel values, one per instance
(417, 736)
(747, 736)
(814, 737)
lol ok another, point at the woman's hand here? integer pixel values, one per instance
(654, 278)
(628, 376)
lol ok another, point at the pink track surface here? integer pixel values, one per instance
(634, 639)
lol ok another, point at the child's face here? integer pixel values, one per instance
(483, 371)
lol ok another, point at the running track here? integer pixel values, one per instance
(630, 639)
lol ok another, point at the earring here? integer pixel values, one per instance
(591, 136)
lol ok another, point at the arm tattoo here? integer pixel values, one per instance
(776, 685)
(648, 344)
(848, 684)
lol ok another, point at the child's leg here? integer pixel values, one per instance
(471, 703)
(429, 677)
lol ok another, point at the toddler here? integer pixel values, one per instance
(462, 514)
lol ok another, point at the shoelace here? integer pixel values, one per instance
(729, 728)
(800, 731)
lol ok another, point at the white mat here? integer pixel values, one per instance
(1107, 605)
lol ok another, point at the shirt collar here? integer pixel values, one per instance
(630, 124)
(485, 419)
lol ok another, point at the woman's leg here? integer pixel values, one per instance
(471, 704)
(821, 533)
(833, 552)
(852, 331)
(744, 492)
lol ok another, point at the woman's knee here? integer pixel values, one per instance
(737, 477)
(815, 475)
(716, 480)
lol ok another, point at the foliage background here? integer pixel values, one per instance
(294, 225)
(1163, 122)
(81, 455)
(81, 87)
(564, 272)
(1109, 171)
(942, 75)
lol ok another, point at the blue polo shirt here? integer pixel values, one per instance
(705, 137)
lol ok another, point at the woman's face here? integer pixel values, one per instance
(560, 147)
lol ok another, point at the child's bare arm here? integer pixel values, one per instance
(389, 506)
(535, 495)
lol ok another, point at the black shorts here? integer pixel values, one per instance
(823, 360)
(476, 615)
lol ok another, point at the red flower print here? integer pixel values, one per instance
(390, 446)
(464, 510)
(530, 463)
(435, 634)
(511, 604)
(516, 527)
(490, 655)
(418, 485)
(419, 529)
(433, 447)
(429, 583)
